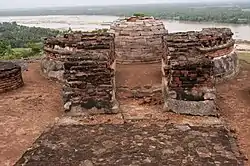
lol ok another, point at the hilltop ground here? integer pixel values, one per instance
(27, 112)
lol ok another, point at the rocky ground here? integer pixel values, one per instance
(133, 144)
(140, 135)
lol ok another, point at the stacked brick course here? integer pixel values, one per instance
(218, 44)
(10, 76)
(192, 63)
(189, 86)
(89, 70)
(138, 39)
(51, 63)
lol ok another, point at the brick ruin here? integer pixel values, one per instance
(51, 63)
(138, 39)
(99, 75)
(218, 45)
(138, 51)
(89, 71)
(192, 63)
(10, 76)
(189, 86)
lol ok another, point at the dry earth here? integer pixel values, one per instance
(26, 113)
(234, 102)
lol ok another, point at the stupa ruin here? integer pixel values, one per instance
(10, 76)
(139, 60)
(138, 39)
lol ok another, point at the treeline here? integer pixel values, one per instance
(18, 36)
(17, 41)
(238, 13)
(233, 15)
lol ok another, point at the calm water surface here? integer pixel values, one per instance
(86, 23)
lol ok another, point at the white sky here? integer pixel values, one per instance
(12, 4)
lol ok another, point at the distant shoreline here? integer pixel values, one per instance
(92, 22)
(202, 12)
(189, 21)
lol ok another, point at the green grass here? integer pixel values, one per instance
(244, 56)
(19, 53)
(20, 49)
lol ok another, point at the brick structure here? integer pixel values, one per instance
(189, 86)
(218, 44)
(192, 63)
(89, 72)
(10, 76)
(138, 39)
(138, 51)
(98, 68)
(51, 63)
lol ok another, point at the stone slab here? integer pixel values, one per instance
(199, 108)
(133, 144)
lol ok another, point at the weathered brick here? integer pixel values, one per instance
(10, 76)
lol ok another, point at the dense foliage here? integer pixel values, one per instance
(19, 36)
(139, 14)
(17, 41)
(237, 12)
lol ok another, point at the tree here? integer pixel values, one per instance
(139, 14)
(5, 48)
(35, 47)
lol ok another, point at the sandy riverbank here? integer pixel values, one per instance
(243, 46)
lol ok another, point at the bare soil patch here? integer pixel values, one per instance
(25, 113)
(234, 102)
(138, 75)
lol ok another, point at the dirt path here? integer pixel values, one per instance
(25, 113)
(234, 101)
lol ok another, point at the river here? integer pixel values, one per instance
(87, 23)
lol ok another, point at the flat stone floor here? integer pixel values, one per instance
(133, 144)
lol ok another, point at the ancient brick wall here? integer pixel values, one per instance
(192, 63)
(10, 76)
(51, 63)
(138, 39)
(218, 44)
(89, 70)
(188, 83)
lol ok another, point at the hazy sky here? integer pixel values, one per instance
(7, 4)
